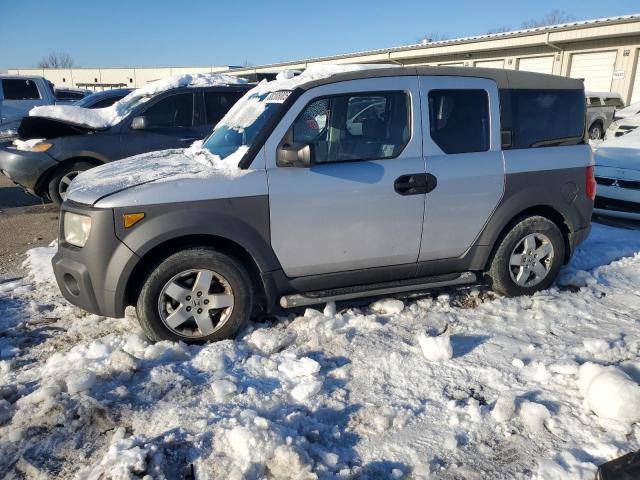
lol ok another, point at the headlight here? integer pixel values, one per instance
(76, 229)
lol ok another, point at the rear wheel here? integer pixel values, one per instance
(195, 295)
(62, 178)
(528, 258)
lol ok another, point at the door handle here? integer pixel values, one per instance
(415, 184)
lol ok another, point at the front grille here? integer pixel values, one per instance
(604, 203)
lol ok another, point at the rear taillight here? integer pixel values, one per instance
(590, 186)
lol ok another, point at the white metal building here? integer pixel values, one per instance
(604, 52)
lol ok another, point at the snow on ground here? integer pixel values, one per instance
(541, 387)
(108, 116)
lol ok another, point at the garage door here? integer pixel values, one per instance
(490, 64)
(595, 68)
(536, 64)
(635, 93)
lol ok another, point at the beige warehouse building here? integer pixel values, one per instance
(604, 52)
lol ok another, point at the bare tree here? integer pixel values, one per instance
(502, 29)
(554, 17)
(432, 37)
(56, 60)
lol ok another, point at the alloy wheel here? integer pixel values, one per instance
(196, 303)
(531, 260)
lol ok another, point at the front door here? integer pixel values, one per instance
(355, 208)
(463, 151)
(170, 123)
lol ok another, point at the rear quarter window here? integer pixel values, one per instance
(542, 118)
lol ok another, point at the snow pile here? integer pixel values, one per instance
(437, 348)
(26, 145)
(334, 392)
(227, 166)
(610, 394)
(100, 118)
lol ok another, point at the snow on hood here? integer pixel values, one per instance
(620, 152)
(165, 165)
(629, 111)
(105, 117)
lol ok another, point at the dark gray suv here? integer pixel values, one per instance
(58, 142)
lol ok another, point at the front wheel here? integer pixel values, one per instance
(528, 258)
(195, 295)
(596, 131)
(62, 178)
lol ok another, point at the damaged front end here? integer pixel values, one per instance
(42, 127)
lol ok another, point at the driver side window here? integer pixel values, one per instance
(173, 111)
(355, 127)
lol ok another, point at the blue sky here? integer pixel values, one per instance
(198, 33)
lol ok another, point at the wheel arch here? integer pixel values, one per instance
(163, 250)
(542, 210)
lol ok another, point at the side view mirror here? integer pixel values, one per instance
(295, 156)
(139, 123)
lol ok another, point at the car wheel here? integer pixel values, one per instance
(528, 258)
(62, 178)
(195, 295)
(596, 132)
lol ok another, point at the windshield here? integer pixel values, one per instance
(244, 122)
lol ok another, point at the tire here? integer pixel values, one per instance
(511, 275)
(171, 287)
(596, 131)
(57, 183)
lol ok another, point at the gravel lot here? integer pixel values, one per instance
(25, 222)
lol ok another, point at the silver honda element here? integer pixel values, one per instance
(336, 184)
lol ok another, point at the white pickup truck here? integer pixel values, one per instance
(18, 95)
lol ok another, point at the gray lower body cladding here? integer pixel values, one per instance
(94, 277)
(25, 168)
(100, 276)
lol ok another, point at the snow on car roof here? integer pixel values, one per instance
(287, 81)
(106, 117)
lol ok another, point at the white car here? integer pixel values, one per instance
(617, 173)
(623, 126)
(626, 112)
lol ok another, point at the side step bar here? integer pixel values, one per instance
(376, 289)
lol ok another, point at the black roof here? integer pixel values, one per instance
(512, 79)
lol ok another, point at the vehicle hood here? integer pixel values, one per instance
(621, 152)
(42, 127)
(180, 167)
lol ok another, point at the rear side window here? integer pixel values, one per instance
(217, 104)
(355, 127)
(459, 120)
(105, 102)
(542, 118)
(19, 89)
(173, 111)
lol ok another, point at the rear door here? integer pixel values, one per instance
(462, 149)
(170, 124)
(353, 209)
